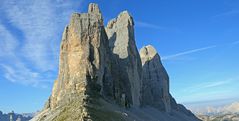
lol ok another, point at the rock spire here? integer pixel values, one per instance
(102, 76)
(155, 90)
(127, 78)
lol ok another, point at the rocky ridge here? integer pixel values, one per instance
(220, 117)
(102, 76)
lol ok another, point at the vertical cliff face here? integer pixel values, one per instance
(127, 74)
(101, 76)
(82, 58)
(155, 90)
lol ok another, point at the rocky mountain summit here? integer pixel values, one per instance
(102, 76)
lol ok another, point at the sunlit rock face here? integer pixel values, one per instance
(101, 76)
(82, 57)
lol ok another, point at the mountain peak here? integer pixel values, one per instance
(148, 50)
(94, 8)
(101, 75)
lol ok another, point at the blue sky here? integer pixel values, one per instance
(198, 41)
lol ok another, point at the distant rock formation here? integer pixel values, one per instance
(228, 112)
(220, 117)
(223, 109)
(14, 116)
(101, 76)
(155, 91)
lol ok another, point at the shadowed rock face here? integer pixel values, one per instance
(127, 78)
(155, 85)
(101, 76)
(155, 89)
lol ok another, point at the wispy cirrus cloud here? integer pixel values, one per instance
(19, 73)
(208, 84)
(215, 84)
(235, 43)
(227, 13)
(41, 22)
(209, 90)
(147, 25)
(177, 55)
(8, 43)
(187, 52)
(13, 68)
(29, 38)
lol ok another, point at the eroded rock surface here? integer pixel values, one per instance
(83, 57)
(101, 76)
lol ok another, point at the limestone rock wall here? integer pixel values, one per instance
(127, 77)
(101, 76)
(155, 89)
(82, 58)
